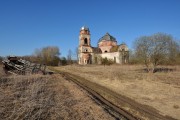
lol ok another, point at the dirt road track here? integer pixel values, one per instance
(117, 105)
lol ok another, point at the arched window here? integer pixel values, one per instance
(105, 51)
(85, 41)
(86, 50)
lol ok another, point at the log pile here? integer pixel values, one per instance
(14, 65)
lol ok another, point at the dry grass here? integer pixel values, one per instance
(46, 97)
(76, 105)
(25, 97)
(1, 71)
(160, 90)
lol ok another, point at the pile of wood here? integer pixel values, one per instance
(15, 65)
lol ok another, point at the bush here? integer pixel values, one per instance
(105, 61)
(63, 61)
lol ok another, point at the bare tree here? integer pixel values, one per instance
(69, 57)
(48, 55)
(63, 61)
(76, 53)
(174, 50)
(155, 49)
(143, 52)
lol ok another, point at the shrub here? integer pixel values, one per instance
(105, 61)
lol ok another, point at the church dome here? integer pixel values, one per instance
(107, 37)
(84, 28)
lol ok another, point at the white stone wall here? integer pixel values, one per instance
(112, 56)
(105, 48)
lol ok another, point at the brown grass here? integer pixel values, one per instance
(1, 71)
(25, 97)
(160, 90)
(46, 97)
(75, 105)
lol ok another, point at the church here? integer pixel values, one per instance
(107, 48)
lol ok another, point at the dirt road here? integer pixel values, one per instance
(75, 103)
(159, 91)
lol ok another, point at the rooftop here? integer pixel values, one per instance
(107, 37)
(84, 28)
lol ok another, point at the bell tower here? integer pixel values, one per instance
(85, 50)
(84, 37)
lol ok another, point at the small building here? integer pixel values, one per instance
(107, 48)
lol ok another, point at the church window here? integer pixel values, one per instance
(114, 59)
(85, 41)
(85, 50)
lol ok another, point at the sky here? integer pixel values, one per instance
(26, 25)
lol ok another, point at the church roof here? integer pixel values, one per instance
(97, 50)
(119, 47)
(107, 37)
(84, 28)
(114, 48)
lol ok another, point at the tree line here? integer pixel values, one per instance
(49, 55)
(153, 50)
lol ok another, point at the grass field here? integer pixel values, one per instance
(48, 97)
(161, 90)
